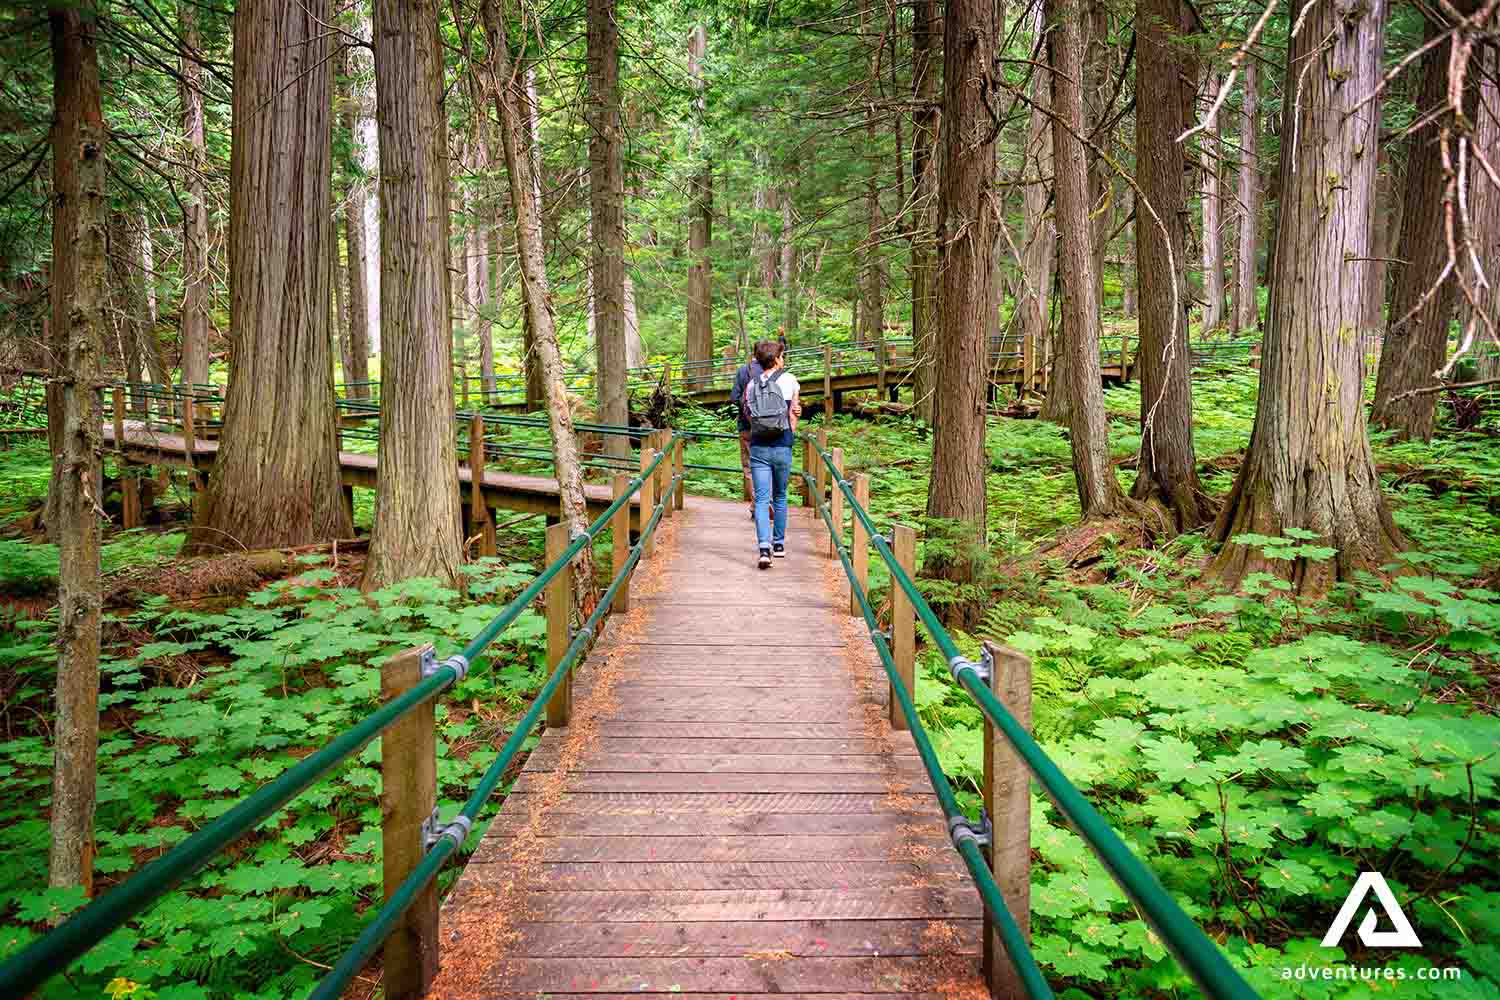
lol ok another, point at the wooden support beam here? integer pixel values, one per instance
(1007, 797)
(1125, 356)
(820, 467)
(827, 381)
(836, 506)
(664, 471)
(348, 498)
(810, 466)
(679, 463)
(619, 529)
(1028, 363)
(859, 546)
(559, 617)
(130, 494)
(408, 766)
(117, 400)
(903, 621)
(648, 502)
(479, 513)
(880, 368)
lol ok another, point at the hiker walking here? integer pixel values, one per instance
(771, 407)
(747, 371)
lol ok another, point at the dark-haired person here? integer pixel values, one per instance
(771, 407)
(748, 370)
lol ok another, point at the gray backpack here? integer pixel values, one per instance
(766, 408)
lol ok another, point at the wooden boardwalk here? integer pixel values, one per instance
(729, 814)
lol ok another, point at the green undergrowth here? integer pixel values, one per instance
(198, 710)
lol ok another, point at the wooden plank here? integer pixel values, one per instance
(928, 902)
(689, 763)
(724, 745)
(729, 848)
(737, 938)
(717, 803)
(769, 973)
(641, 876)
(620, 542)
(562, 817)
(626, 782)
(736, 730)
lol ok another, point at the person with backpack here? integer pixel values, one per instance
(748, 370)
(771, 407)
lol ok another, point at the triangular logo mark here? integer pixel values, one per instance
(1402, 937)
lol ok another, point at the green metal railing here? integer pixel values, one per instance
(83, 930)
(1193, 949)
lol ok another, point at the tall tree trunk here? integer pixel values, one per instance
(78, 290)
(791, 307)
(536, 388)
(1041, 234)
(127, 271)
(1309, 466)
(1077, 365)
(1213, 235)
(276, 480)
(1167, 472)
(1486, 214)
(1099, 87)
(873, 312)
(1423, 298)
(607, 217)
(1246, 305)
(416, 530)
(965, 243)
(355, 238)
(495, 295)
(700, 331)
(1388, 211)
(196, 280)
(536, 295)
(342, 319)
(460, 309)
(926, 63)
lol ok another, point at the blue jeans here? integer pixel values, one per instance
(771, 469)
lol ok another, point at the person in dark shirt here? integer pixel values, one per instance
(749, 370)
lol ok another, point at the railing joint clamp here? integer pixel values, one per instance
(456, 830)
(457, 661)
(984, 670)
(961, 828)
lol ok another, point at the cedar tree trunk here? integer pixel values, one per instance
(607, 215)
(196, 280)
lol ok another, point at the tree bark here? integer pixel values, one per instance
(926, 61)
(791, 306)
(78, 290)
(355, 241)
(1077, 366)
(607, 218)
(1486, 213)
(1041, 234)
(128, 277)
(196, 280)
(635, 350)
(276, 481)
(965, 244)
(1388, 211)
(416, 529)
(1423, 299)
(536, 295)
(343, 320)
(700, 331)
(536, 389)
(873, 313)
(1309, 465)
(1246, 304)
(1167, 472)
(1213, 235)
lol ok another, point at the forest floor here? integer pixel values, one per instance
(1257, 751)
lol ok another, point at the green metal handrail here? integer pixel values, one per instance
(1187, 942)
(83, 930)
(984, 880)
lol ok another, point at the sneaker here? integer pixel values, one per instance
(778, 550)
(765, 559)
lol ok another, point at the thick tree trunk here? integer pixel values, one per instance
(536, 295)
(536, 389)
(196, 280)
(635, 350)
(276, 480)
(1099, 493)
(926, 61)
(342, 319)
(78, 290)
(607, 218)
(355, 243)
(1213, 234)
(700, 330)
(965, 241)
(1388, 210)
(416, 529)
(1167, 472)
(1246, 304)
(1309, 466)
(791, 306)
(1423, 299)
(1486, 214)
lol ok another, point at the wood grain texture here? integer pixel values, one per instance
(726, 816)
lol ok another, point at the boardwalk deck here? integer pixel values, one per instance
(729, 814)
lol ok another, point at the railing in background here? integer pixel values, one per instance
(1006, 726)
(416, 846)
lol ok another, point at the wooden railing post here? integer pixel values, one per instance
(408, 765)
(559, 617)
(666, 376)
(1028, 362)
(679, 460)
(810, 463)
(117, 400)
(1007, 798)
(664, 471)
(648, 501)
(820, 467)
(827, 382)
(880, 370)
(903, 621)
(836, 506)
(619, 529)
(479, 511)
(859, 551)
(1124, 357)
